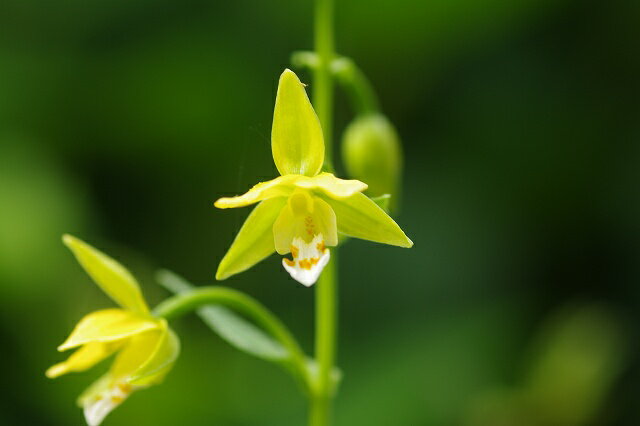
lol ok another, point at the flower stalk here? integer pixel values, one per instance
(326, 292)
(349, 77)
(322, 82)
(326, 327)
(190, 301)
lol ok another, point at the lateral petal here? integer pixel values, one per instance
(332, 186)
(279, 187)
(84, 358)
(108, 325)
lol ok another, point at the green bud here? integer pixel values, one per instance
(372, 153)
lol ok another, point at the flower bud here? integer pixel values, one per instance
(372, 153)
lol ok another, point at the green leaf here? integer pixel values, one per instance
(255, 241)
(360, 217)
(231, 327)
(297, 143)
(242, 334)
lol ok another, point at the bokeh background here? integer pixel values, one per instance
(122, 121)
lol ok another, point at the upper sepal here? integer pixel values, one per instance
(297, 143)
(111, 276)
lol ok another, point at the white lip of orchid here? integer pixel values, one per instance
(309, 259)
(101, 405)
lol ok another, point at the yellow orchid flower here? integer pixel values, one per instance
(302, 211)
(146, 346)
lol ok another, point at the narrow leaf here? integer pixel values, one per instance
(231, 327)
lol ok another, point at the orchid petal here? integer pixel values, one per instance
(332, 186)
(254, 242)
(360, 217)
(147, 357)
(297, 143)
(111, 276)
(84, 358)
(108, 325)
(304, 217)
(279, 187)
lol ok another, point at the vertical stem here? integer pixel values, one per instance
(325, 351)
(322, 82)
(326, 321)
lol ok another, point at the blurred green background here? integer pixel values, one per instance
(122, 121)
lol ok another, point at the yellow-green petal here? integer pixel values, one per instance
(304, 216)
(360, 217)
(254, 242)
(160, 361)
(111, 276)
(297, 143)
(84, 358)
(147, 358)
(332, 186)
(281, 186)
(108, 325)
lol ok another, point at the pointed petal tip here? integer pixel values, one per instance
(230, 202)
(224, 202)
(220, 276)
(54, 371)
(288, 73)
(68, 240)
(289, 76)
(66, 346)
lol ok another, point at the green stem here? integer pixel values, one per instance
(191, 300)
(322, 82)
(326, 324)
(325, 350)
(349, 76)
(357, 85)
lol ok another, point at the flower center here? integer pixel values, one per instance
(309, 259)
(96, 409)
